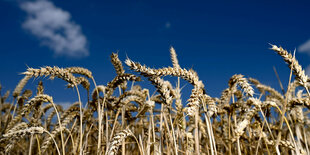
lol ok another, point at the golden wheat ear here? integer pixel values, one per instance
(293, 64)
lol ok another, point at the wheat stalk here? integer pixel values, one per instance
(117, 140)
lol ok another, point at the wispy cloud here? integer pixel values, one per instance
(307, 70)
(167, 25)
(55, 29)
(65, 105)
(305, 47)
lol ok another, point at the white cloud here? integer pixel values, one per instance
(54, 27)
(65, 105)
(305, 47)
(307, 70)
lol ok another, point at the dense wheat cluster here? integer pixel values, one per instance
(121, 117)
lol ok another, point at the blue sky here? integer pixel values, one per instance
(216, 38)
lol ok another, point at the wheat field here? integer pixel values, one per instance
(122, 117)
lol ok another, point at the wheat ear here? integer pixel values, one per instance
(52, 72)
(174, 58)
(20, 86)
(79, 70)
(238, 79)
(299, 73)
(16, 135)
(117, 140)
(164, 88)
(27, 107)
(263, 88)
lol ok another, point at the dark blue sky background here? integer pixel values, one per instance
(216, 38)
